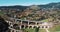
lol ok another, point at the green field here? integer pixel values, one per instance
(29, 30)
(42, 30)
(55, 28)
(33, 30)
(46, 20)
(1, 13)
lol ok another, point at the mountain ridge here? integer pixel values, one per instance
(50, 5)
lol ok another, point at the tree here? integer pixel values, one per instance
(37, 29)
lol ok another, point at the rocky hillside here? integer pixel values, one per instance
(3, 25)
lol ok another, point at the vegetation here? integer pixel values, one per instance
(47, 20)
(29, 30)
(42, 30)
(1, 13)
(37, 29)
(55, 28)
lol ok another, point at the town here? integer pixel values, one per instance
(27, 19)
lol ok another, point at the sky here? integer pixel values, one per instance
(25, 2)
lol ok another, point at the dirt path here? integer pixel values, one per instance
(47, 30)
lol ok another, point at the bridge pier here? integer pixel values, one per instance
(24, 26)
(32, 27)
(36, 23)
(21, 22)
(40, 27)
(11, 30)
(20, 27)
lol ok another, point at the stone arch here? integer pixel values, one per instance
(19, 20)
(26, 26)
(17, 31)
(31, 23)
(46, 26)
(11, 26)
(34, 27)
(9, 23)
(42, 26)
(38, 26)
(16, 26)
(12, 30)
(37, 23)
(30, 26)
(22, 26)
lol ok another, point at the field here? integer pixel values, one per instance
(42, 30)
(33, 30)
(1, 13)
(55, 28)
(46, 20)
(30, 30)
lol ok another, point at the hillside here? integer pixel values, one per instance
(50, 5)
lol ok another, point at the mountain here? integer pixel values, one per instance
(14, 7)
(50, 5)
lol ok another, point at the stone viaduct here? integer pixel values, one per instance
(27, 24)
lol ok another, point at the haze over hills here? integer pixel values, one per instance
(50, 5)
(14, 7)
